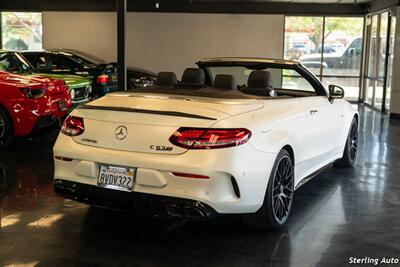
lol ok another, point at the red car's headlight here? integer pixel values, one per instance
(73, 126)
(202, 138)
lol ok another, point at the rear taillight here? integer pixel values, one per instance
(201, 138)
(73, 126)
(103, 78)
(32, 93)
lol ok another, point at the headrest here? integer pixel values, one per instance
(165, 78)
(225, 81)
(193, 76)
(259, 79)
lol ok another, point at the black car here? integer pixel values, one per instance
(103, 74)
(137, 78)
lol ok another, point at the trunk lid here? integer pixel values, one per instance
(145, 122)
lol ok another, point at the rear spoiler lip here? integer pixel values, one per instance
(146, 111)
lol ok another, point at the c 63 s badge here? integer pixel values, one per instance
(161, 148)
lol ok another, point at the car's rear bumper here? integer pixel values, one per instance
(34, 115)
(134, 201)
(237, 181)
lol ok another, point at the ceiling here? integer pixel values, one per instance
(321, 1)
(277, 1)
(288, 7)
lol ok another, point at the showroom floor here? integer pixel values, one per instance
(342, 213)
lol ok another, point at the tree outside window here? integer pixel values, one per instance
(21, 30)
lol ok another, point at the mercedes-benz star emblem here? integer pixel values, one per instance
(121, 132)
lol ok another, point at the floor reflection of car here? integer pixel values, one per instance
(28, 104)
(346, 58)
(234, 136)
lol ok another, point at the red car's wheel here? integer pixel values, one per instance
(6, 129)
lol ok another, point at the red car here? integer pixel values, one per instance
(28, 104)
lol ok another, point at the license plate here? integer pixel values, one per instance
(117, 178)
(61, 105)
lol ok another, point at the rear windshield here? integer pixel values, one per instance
(84, 59)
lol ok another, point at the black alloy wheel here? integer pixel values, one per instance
(2, 126)
(278, 199)
(351, 148)
(353, 141)
(282, 191)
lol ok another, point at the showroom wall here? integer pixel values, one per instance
(166, 41)
(94, 32)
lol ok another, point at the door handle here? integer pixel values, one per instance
(313, 111)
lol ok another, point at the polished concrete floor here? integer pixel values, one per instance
(342, 213)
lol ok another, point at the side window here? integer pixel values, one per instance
(30, 58)
(49, 62)
(10, 63)
(292, 80)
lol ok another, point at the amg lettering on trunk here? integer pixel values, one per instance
(161, 148)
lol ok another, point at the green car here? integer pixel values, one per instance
(80, 87)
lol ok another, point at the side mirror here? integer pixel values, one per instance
(335, 92)
(352, 51)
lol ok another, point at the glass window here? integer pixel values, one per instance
(373, 46)
(390, 62)
(12, 62)
(303, 41)
(288, 79)
(333, 53)
(342, 46)
(382, 44)
(49, 62)
(21, 30)
(83, 58)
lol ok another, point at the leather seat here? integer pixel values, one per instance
(193, 76)
(225, 81)
(260, 84)
(165, 78)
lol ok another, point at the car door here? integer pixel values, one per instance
(323, 120)
(324, 129)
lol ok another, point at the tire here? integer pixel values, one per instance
(278, 199)
(351, 148)
(6, 129)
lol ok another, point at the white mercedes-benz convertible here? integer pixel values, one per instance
(233, 136)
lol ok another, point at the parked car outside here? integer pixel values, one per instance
(13, 62)
(29, 104)
(345, 58)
